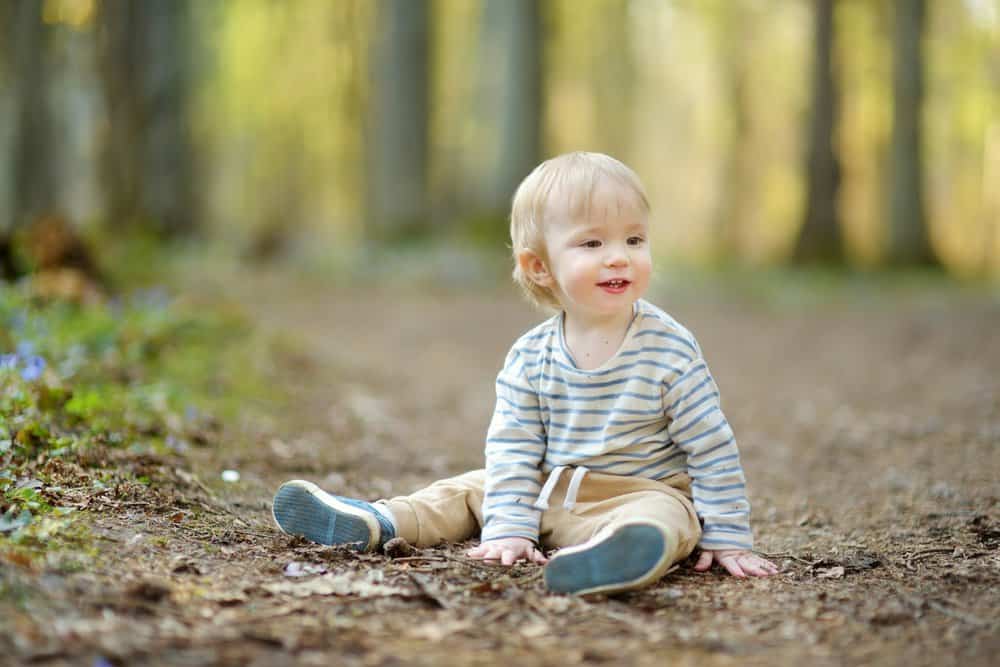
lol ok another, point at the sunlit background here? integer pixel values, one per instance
(314, 127)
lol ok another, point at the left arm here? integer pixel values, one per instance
(701, 430)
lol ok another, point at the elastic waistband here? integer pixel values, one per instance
(542, 502)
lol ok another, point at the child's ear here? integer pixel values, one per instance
(533, 267)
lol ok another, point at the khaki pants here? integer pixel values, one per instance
(451, 510)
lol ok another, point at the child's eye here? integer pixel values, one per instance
(591, 244)
(636, 240)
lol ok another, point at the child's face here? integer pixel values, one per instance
(599, 263)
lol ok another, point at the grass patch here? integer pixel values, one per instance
(93, 396)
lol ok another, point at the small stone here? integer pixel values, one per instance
(831, 573)
(397, 547)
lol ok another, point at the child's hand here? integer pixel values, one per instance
(739, 563)
(508, 551)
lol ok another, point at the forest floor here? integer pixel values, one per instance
(869, 430)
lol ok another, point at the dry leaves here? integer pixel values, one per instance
(369, 583)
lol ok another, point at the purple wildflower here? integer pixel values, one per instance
(33, 367)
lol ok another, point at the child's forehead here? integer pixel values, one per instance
(593, 203)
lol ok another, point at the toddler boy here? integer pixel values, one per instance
(607, 442)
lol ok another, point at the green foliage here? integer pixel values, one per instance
(140, 374)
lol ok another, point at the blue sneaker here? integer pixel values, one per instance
(302, 508)
(624, 558)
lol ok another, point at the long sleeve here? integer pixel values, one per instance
(515, 448)
(698, 427)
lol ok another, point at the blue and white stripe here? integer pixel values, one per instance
(652, 410)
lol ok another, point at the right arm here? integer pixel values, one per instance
(515, 448)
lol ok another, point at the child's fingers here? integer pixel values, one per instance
(753, 566)
(506, 554)
(732, 565)
(476, 552)
(485, 552)
(704, 561)
(764, 565)
(767, 566)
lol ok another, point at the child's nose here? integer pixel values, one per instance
(617, 256)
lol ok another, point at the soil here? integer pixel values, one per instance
(869, 431)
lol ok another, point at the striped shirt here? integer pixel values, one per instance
(651, 410)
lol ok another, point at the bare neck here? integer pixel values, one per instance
(591, 342)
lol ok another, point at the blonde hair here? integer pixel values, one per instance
(577, 175)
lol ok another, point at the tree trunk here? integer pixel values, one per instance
(398, 132)
(820, 239)
(736, 199)
(34, 179)
(908, 238)
(509, 102)
(147, 157)
(614, 73)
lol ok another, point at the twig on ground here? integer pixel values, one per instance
(406, 559)
(428, 592)
(481, 565)
(921, 555)
(810, 563)
(208, 532)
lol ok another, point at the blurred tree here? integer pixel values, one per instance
(591, 69)
(820, 239)
(396, 197)
(864, 73)
(734, 33)
(35, 186)
(614, 72)
(280, 122)
(147, 161)
(908, 238)
(509, 105)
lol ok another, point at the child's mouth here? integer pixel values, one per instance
(615, 286)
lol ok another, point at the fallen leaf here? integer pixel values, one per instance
(557, 604)
(831, 573)
(298, 569)
(184, 565)
(15, 558)
(534, 630)
(226, 598)
(437, 631)
(366, 585)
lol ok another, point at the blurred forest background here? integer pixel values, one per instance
(849, 132)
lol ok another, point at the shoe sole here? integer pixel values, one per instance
(302, 508)
(630, 557)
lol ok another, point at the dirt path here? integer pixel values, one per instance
(870, 436)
